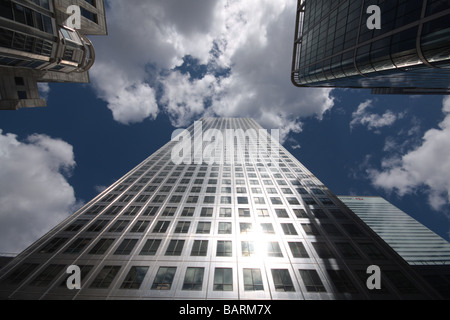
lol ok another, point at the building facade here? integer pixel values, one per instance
(37, 46)
(427, 252)
(336, 45)
(184, 224)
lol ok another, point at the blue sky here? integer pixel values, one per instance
(212, 58)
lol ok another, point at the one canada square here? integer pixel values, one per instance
(182, 225)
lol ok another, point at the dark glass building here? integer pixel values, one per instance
(337, 46)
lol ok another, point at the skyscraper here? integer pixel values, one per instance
(427, 252)
(222, 211)
(337, 44)
(36, 45)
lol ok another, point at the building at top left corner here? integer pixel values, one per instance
(44, 41)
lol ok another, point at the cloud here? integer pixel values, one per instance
(424, 169)
(129, 100)
(100, 189)
(245, 48)
(34, 192)
(372, 121)
(44, 89)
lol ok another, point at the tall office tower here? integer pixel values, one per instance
(418, 245)
(402, 48)
(222, 211)
(37, 46)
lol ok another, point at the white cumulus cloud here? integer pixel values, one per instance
(34, 192)
(362, 116)
(426, 168)
(245, 46)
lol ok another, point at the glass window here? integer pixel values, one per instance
(132, 210)
(134, 278)
(401, 282)
(77, 225)
(282, 280)
(209, 199)
(298, 250)
(6, 10)
(274, 250)
(256, 190)
(248, 248)
(126, 247)
(53, 245)
(281, 213)
(98, 225)
(244, 212)
(347, 250)
(353, 230)
(225, 212)
(45, 278)
(105, 277)
(182, 227)
(150, 247)
(245, 227)
(331, 229)
(19, 274)
(225, 200)
(175, 248)
(223, 279)
(288, 229)
(276, 200)
(241, 190)
(300, 213)
(310, 229)
(177, 199)
(225, 190)
(199, 248)
(322, 250)
(140, 226)
(203, 228)
(77, 246)
(89, 15)
(193, 279)
(119, 226)
(206, 212)
(211, 190)
(101, 246)
(161, 227)
(259, 200)
(309, 201)
(224, 248)
(224, 228)
(188, 212)
(292, 200)
(262, 213)
(312, 280)
(169, 211)
(341, 281)
(253, 280)
(267, 228)
(372, 251)
(164, 278)
(242, 200)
